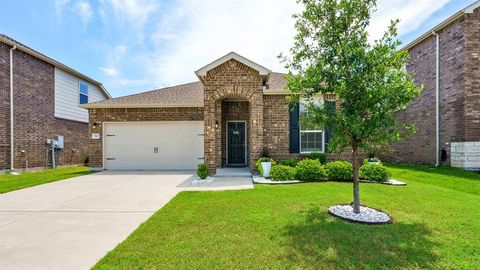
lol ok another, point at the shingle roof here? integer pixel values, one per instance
(185, 95)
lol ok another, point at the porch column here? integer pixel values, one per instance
(210, 153)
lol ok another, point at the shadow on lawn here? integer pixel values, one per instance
(440, 171)
(322, 241)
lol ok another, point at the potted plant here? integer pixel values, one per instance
(266, 166)
(373, 160)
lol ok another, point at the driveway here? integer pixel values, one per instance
(71, 224)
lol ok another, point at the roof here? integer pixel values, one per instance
(232, 55)
(185, 95)
(443, 24)
(12, 42)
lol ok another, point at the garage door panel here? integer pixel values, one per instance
(132, 146)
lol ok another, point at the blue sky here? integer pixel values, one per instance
(137, 45)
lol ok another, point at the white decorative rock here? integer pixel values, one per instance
(367, 215)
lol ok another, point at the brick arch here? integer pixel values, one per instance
(232, 79)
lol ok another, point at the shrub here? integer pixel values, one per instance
(282, 173)
(339, 170)
(318, 156)
(202, 170)
(291, 162)
(310, 170)
(374, 172)
(259, 164)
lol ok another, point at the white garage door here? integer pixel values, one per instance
(173, 145)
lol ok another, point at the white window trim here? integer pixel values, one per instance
(80, 92)
(310, 131)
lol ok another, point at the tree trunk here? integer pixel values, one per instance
(356, 187)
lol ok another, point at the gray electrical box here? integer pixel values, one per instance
(59, 143)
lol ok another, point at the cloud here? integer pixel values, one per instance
(59, 7)
(133, 12)
(176, 38)
(412, 13)
(84, 11)
(110, 71)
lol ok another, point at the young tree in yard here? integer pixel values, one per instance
(332, 54)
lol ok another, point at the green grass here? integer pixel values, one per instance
(14, 182)
(436, 226)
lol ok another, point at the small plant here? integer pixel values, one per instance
(282, 173)
(322, 157)
(374, 172)
(372, 160)
(258, 164)
(202, 170)
(339, 170)
(310, 170)
(291, 162)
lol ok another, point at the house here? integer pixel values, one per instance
(44, 105)
(446, 61)
(230, 117)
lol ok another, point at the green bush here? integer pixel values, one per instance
(282, 173)
(374, 172)
(318, 156)
(258, 164)
(339, 170)
(310, 170)
(291, 162)
(202, 170)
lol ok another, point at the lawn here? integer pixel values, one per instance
(436, 226)
(13, 182)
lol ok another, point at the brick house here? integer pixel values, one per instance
(46, 98)
(446, 60)
(230, 117)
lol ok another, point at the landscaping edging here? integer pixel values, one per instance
(262, 180)
(368, 215)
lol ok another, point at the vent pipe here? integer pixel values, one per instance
(437, 99)
(11, 110)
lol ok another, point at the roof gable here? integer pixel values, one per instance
(261, 69)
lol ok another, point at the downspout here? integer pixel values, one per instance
(437, 99)
(11, 109)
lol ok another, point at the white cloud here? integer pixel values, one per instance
(412, 13)
(133, 12)
(84, 10)
(168, 41)
(110, 71)
(59, 7)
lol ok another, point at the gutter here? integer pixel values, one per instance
(11, 110)
(437, 99)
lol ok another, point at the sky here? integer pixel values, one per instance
(136, 45)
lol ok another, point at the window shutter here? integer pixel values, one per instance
(294, 128)
(330, 107)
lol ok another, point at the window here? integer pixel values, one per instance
(311, 139)
(83, 93)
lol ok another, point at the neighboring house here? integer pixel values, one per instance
(46, 99)
(452, 85)
(236, 112)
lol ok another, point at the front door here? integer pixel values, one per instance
(236, 145)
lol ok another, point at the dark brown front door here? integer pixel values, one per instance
(236, 150)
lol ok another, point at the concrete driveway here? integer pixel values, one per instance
(71, 224)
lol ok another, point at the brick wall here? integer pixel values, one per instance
(34, 119)
(472, 76)
(276, 126)
(98, 116)
(420, 148)
(232, 79)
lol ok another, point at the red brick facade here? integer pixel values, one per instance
(34, 120)
(459, 92)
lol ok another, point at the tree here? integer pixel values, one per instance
(332, 54)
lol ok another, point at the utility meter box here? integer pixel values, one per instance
(59, 143)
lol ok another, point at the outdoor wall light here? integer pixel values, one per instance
(95, 125)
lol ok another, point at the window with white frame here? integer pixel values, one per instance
(312, 139)
(83, 93)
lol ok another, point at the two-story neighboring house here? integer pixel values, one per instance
(39, 100)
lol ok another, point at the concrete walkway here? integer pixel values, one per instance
(73, 223)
